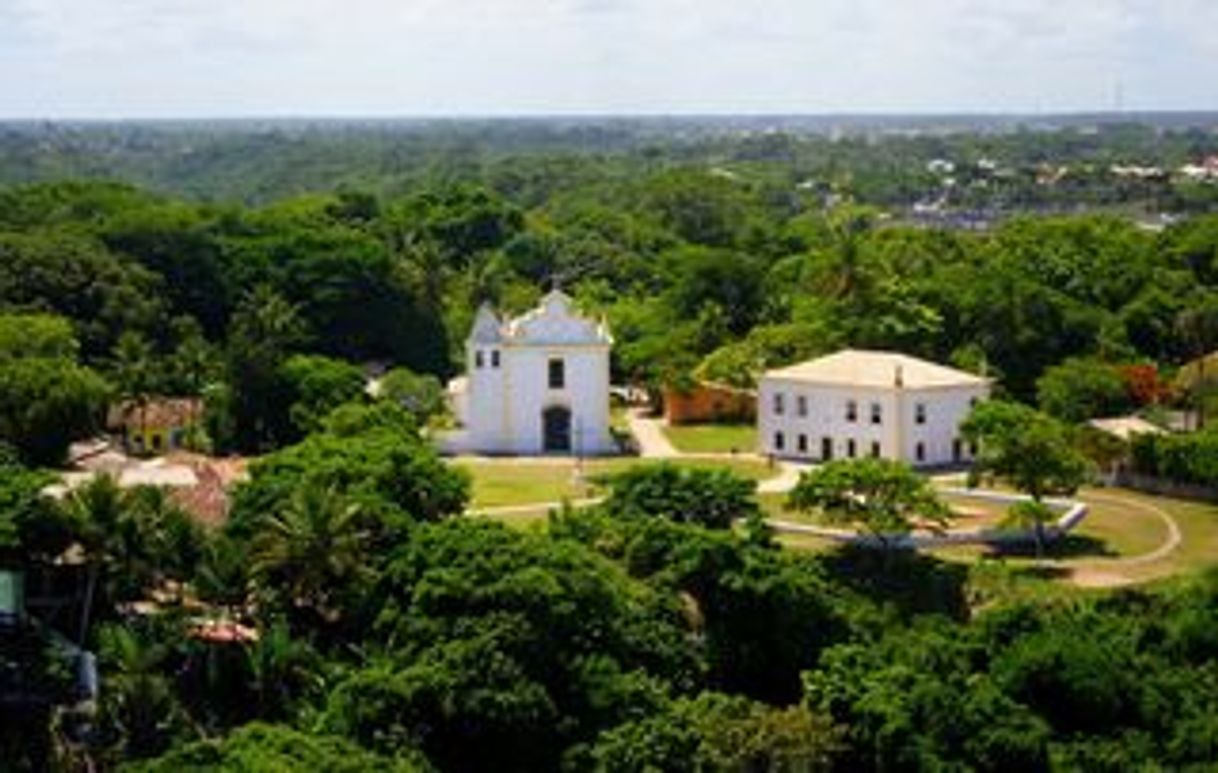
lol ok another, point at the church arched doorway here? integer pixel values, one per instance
(556, 429)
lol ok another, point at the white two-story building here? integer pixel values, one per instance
(867, 403)
(536, 384)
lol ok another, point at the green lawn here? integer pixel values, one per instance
(511, 482)
(1118, 525)
(713, 438)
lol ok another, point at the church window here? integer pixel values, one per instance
(558, 375)
(877, 413)
(852, 411)
(478, 359)
(801, 405)
(779, 403)
(920, 413)
(494, 358)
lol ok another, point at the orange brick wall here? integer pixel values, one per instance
(707, 402)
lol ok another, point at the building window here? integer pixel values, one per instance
(801, 443)
(779, 403)
(801, 405)
(826, 448)
(852, 411)
(494, 358)
(478, 359)
(920, 413)
(877, 413)
(920, 452)
(851, 448)
(875, 449)
(780, 441)
(972, 402)
(972, 449)
(558, 374)
(957, 450)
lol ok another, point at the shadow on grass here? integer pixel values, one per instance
(910, 582)
(1069, 546)
(1041, 572)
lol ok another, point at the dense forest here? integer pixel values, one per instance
(263, 270)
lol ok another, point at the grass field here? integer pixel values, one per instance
(713, 438)
(512, 482)
(1119, 524)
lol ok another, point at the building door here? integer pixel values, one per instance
(826, 449)
(556, 429)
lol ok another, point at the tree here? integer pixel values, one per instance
(31, 527)
(886, 498)
(283, 671)
(508, 648)
(1030, 450)
(372, 455)
(46, 398)
(713, 498)
(314, 386)
(310, 553)
(67, 274)
(265, 330)
(266, 747)
(139, 706)
(97, 515)
(1080, 389)
(421, 395)
(135, 374)
(717, 732)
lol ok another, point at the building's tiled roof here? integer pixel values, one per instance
(860, 368)
(160, 412)
(1125, 427)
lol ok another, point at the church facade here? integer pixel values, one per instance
(536, 384)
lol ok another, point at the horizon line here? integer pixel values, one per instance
(1131, 113)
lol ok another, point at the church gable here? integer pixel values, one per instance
(555, 322)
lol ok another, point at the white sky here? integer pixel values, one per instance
(193, 58)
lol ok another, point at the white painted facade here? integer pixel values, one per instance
(536, 384)
(864, 403)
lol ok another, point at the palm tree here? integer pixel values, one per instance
(311, 550)
(282, 668)
(138, 700)
(135, 374)
(97, 514)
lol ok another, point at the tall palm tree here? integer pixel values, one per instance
(138, 702)
(135, 373)
(311, 550)
(97, 513)
(281, 668)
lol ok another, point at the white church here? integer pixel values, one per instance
(535, 384)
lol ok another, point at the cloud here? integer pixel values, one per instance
(205, 57)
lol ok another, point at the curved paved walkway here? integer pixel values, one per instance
(1107, 572)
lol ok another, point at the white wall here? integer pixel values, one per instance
(898, 433)
(506, 404)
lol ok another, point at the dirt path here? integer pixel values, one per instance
(1110, 573)
(649, 433)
